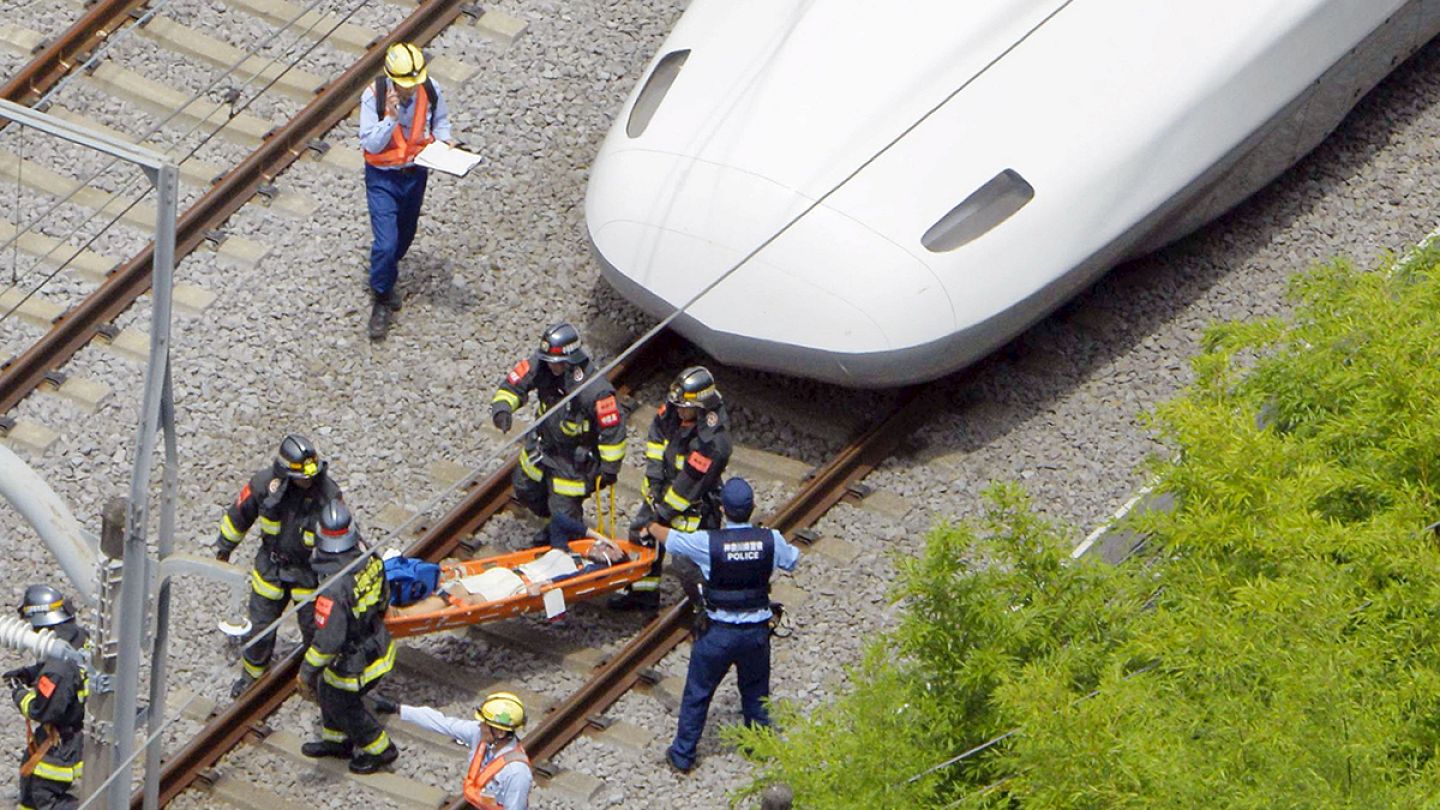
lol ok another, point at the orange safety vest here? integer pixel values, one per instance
(478, 777)
(400, 151)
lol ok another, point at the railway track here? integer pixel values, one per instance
(1003, 433)
(76, 327)
(242, 718)
(120, 284)
(607, 679)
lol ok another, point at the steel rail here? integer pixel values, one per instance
(78, 325)
(68, 50)
(827, 487)
(491, 495)
(242, 717)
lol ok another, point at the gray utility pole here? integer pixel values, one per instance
(157, 413)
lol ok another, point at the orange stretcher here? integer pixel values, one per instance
(575, 588)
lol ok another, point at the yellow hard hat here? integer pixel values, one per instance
(405, 64)
(503, 710)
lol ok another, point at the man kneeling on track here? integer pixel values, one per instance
(554, 565)
(499, 776)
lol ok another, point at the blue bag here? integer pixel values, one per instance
(410, 579)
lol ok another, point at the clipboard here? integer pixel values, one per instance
(445, 158)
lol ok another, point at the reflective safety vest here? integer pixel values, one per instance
(400, 151)
(479, 776)
(740, 564)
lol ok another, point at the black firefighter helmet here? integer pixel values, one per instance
(298, 457)
(44, 606)
(561, 344)
(694, 388)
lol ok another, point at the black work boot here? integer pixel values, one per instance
(241, 684)
(379, 319)
(392, 299)
(370, 763)
(327, 748)
(635, 600)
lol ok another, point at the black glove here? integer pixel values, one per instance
(21, 675)
(223, 549)
(502, 420)
(653, 488)
(606, 479)
(384, 705)
(307, 683)
(644, 537)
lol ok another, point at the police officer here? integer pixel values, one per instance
(399, 116)
(287, 498)
(736, 563)
(685, 456)
(52, 694)
(576, 449)
(352, 649)
(499, 776)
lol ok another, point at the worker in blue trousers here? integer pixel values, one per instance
(736, 562)
(402, 113)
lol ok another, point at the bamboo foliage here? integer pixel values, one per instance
(1278, 647)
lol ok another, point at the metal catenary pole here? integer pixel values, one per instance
(157, 413)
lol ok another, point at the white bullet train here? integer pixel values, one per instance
(988, 159)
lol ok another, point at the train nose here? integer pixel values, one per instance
(827, 293)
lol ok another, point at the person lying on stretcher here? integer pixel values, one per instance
(495, 584)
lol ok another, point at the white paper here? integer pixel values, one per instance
(441, 156)
(554, 602)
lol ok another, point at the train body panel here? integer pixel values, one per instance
(1079, 134)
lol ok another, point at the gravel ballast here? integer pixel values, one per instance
(503, 253)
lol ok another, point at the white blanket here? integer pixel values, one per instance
(547, 566)
(494, 584)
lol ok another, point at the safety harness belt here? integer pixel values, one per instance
(38, 752)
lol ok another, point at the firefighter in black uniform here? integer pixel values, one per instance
(51, 694)
(574, 451)
(351, 650)
(685, 457)
(287, 498)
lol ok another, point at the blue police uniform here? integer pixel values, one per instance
(394, 193)
(737, 562)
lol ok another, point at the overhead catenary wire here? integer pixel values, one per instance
(630, 350)
(94, 60)
(234, 66)
(505, 448)
(119, 767)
